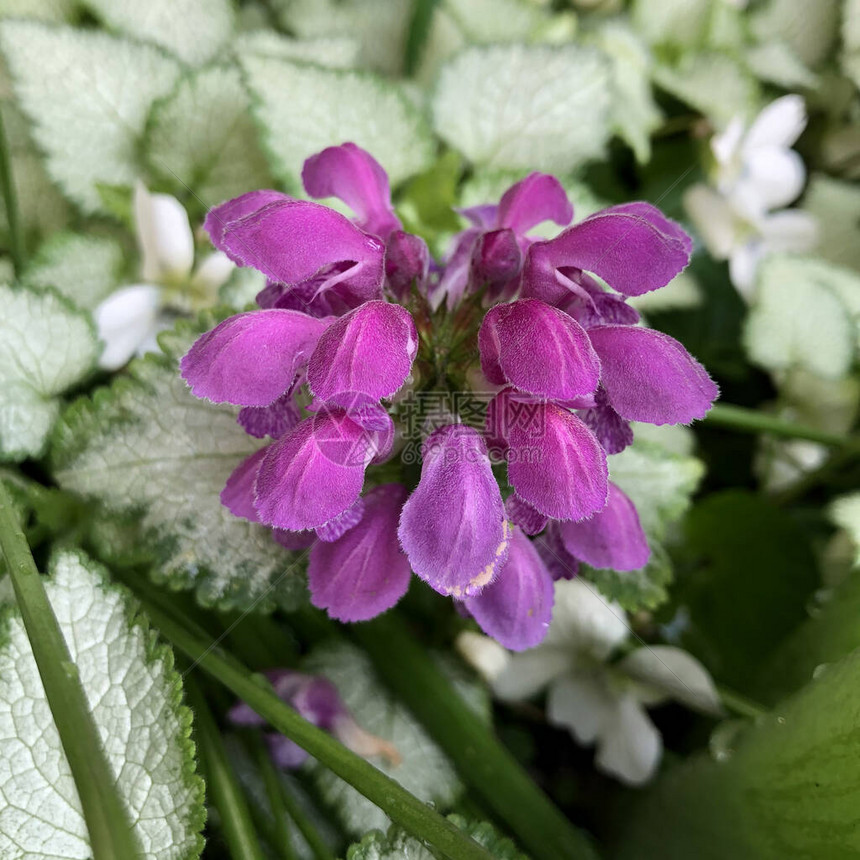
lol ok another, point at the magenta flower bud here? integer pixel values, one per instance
(407, 262)
(496, 260)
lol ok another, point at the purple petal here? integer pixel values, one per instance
(522, 514)
(559, 562)
(242, 714)
(341, 524)
(591, 305)
(238, 493)
(484, 216)
(612, 538)
(407, 262)
(291, 241)
(537, 349)
(554, 462)
(293, 540)
(649, 376)
(516, 607)
(367, 353)
(355, 177)
(285, 754)
(251, 359)
(219, 217)
(314, 473)
(365, 572)
(611, 430)
(273, 420)
(496, 260)
(455, 277)
(537, 198)
(633, 247)
(453, 526)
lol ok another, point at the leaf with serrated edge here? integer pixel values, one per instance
(135, 696)
(538, 108)
(87, 94)
(46, 346)
(202, 138)
(146, 445)
(303, 109)
(424, 771)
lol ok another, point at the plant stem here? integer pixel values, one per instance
(482, 761)
(272, 783)
(741, 705)
(419, 30)
(402, 807)
(10, 201)
(106, 817)
(225, 794)
(315, 842)
(751, 421)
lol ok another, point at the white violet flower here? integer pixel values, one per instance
(756, 172)
(601, 702)
(129, 319)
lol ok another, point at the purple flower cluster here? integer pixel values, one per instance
(355, 313)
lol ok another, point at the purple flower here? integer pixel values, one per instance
(319, 702)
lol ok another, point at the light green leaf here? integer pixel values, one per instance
(524, 107)
(379, 26)
(493, 21)
(340, 52)
(836, 206)
(809, 29)
(806, 316)
(84, 268)
(424, 771)
(682, 22)
(45, 347)
(776, 63)
(146, 448)
(193, 30)
(201, 138)
(851, 40)
(303, 108)
(88, 95)
(714, 83)
(845, 512)
(58, 11)
(135, 695)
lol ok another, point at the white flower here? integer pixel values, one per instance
(599, 702)
(129, 319)
(756, 172)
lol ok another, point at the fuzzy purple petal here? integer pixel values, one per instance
(612, 538)
(238, 493)
(524, 515)
(407, 263)
(273, 420)
(453, 526)
(650, 377)
(251, 359)
(612, 431)
(341, 524)
(367, 353)
(537, 349)
(496, 260)
(220, 217)
(559, 562)
(516, 608)
(365, 572)
(354, 176)
(294, 540)
(537, 198)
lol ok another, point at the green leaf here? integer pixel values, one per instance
(682, 22)
(786, 787)
(776, 63)
(851, 40)
(845, 513)
(634, 590)
(135, 697)
(809, 29)
(193, 30)
(749, 575)
(201, 139)
(806, 316)
(84, 268)
(46, 346)
(147, 448)
(524, 107)
(339, 52)
(43, 10)
(88, 95)
(303, 108)
(424, 771)
(836, 206)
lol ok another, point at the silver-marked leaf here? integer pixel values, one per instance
(146, 447)
(46, 346)
(87, 95)
(335, 52)
(135, 696)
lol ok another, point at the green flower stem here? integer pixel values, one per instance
(224, 791)
(752, 421)
(402, 807)
(315, 842)
(10, 201)
(272, 783)
(419, 31)
(495, 775)
(741, 705)
(106, 817)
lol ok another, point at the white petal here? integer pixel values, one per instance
(779, 124)
(743, 266)
(792, 230)
(775, 175)
(124, 321)
(676, 673)
(584, 621)
(629, 746)
(713, 218)
(726, 144)
(582, 704)
(164, 236)
(528, 672)
(483, 653)
(214, 271)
